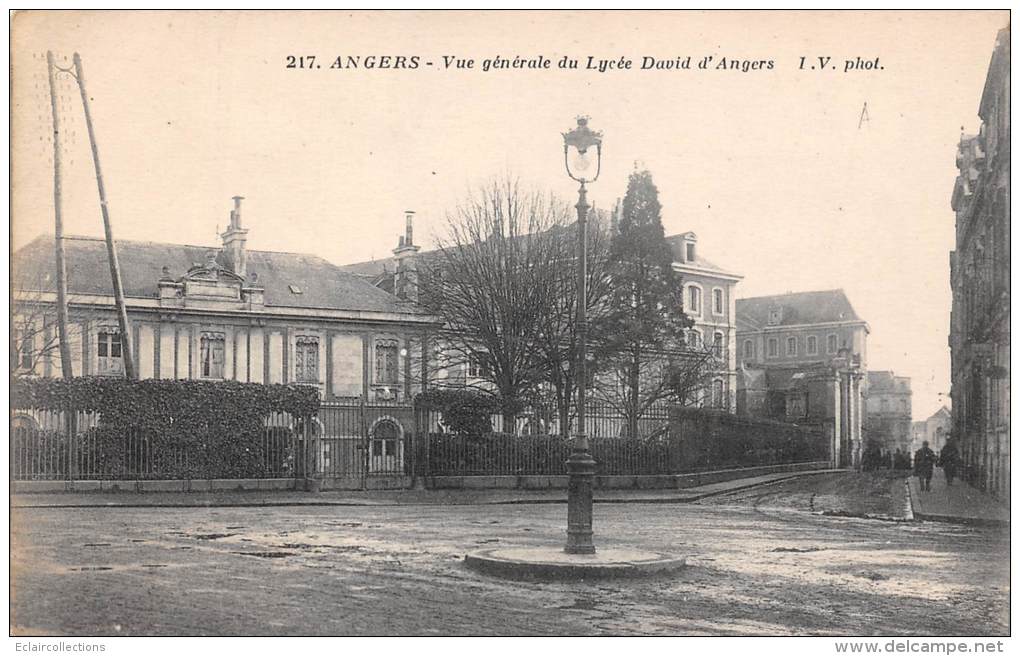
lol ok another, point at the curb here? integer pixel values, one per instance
(966, 521)
(684, 498)
(908, 511)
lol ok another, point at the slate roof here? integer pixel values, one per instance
(322, 284)
(798, 308)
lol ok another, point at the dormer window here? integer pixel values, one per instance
(775, 316)
(689, 254)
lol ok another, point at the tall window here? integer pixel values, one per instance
(791, 346)
(108, 351)
(694, 339)
(717, 301)
(478, 366)
(773, 347)
(25, 349)
(690, 252)
(830, 344)
(717, 394)
(812, 345)
(694, 300)
(748, 349)
(211, 355)
(717, 344)
(386, 367)
(306, 360)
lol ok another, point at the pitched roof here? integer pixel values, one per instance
(676, 245)
(373, 268)
(322, 284)
(798, 308)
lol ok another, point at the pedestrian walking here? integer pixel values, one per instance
(924, 466)
(949, 459)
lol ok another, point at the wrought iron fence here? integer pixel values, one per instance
(499, 454)
(669, 441)
(57, 445)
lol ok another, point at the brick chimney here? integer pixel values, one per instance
(405, 280)
(234, 240)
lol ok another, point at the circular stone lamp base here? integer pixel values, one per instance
(554, 563)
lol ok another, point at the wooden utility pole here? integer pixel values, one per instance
(126, 345)
(58, 230)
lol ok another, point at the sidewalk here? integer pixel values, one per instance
(959, 504)
(383, 497)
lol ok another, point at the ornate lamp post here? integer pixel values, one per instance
(582, 157)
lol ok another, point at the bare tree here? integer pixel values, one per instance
(493, 277)
(34, 338)
(679, 376)
(558, 344)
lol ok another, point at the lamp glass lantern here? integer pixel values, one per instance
(582, 152)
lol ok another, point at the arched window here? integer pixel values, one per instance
(791, 346)
(385, 436)
(812, 345)
(773, 347)
(694, 338)
(830, 344)
(748, 349)
(717, 344)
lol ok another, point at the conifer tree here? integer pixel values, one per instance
(644, 335)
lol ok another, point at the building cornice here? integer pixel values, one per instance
(708, 273)
(85, 301)
(805, 326)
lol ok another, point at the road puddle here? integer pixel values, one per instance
(265, 554)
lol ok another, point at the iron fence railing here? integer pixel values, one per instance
(668, 441)
(55, 445)
(360, 439)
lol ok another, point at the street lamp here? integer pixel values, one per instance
(582, 157)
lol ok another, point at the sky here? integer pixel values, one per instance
(772, 168)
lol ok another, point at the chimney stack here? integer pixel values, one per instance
(234, 241)
(409, 231)
(405, 279)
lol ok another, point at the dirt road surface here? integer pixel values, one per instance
(762, 562)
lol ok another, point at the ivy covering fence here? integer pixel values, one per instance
(112, 428)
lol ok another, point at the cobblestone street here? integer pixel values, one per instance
(762, 561)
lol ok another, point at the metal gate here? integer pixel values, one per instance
(363, 444)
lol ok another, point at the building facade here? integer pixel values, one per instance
(803, 358)
(979, 277)
(217, 313)
(708, 296)
(889, 411)
(934, 430)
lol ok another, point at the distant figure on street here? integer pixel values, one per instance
(924, 466)
(949, 459)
